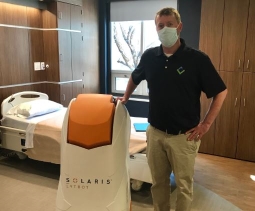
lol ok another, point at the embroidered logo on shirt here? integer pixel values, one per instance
(180, 70)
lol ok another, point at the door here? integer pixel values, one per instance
(234, 35)
(66, 93)
(246, 132)
(211, 29)
(226, 125)
(207, 141)
(249, 64)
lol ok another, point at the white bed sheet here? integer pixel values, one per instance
(28, 125)
(22, 123)
(41, 146)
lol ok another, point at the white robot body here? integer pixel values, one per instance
(95, 178)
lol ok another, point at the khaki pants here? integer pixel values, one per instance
(167, 153)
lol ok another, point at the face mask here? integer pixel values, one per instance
(168, 36)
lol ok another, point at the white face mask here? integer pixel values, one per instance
(168, 36)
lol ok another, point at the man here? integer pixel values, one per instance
(176, 76)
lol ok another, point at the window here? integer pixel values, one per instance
(129, 40)
(132, 32)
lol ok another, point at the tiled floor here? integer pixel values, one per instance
(28, 182)
(142, 200)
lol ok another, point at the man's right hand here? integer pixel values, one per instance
(123, 100)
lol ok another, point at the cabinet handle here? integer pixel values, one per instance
(244, 102)
(248, 62)
(239, 63)
(235, 101)
(60, 15)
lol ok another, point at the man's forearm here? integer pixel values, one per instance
(130, 88)
(215, 107)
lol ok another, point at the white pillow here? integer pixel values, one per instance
(35, 108)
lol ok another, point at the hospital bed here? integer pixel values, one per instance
(39, 137)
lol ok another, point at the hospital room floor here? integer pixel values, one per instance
(28, 185)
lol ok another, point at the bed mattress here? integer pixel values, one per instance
(47, 135)
(22, 123)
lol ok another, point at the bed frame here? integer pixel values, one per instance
(21, 97)
(12, 138)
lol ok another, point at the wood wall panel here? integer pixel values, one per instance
(14, 59)
(53, 91)
(49, 16)
(36, 44)
(39, 88)
(34, 17)
(13, 14)
(51, 55)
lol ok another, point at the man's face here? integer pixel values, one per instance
(169, 21)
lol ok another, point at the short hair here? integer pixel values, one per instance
(169, 11)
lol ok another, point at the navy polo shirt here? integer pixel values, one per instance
(175, 84)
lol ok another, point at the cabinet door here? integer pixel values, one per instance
(64, 41)
(234, 35)
(77, 42)
(246, 132)
(66, 94)
(211, 29)
(250, 42)
(226, 125)
(65, 56)
(207, 142)
(64, 15)
(77, 89)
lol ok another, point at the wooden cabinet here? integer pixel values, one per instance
(55, 35)
(210, 34)
(232, 53)
(234, 35)
(211, 29)
(235, 133)
(238, 40)
(246, 130)
(249, 58)
(227, 122)
(62, 49)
